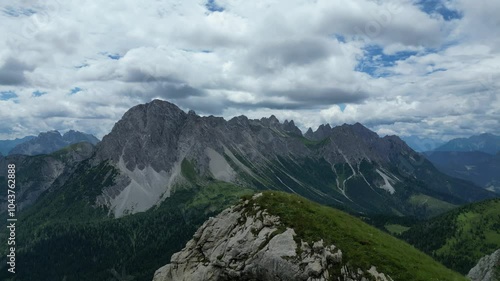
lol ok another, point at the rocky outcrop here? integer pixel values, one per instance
(247, 243)
(487, 269)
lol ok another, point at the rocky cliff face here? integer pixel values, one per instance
(51, 141)
(487, 269)
(348, 166)
(247, 243)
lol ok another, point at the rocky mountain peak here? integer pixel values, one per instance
(290, 127)
(73, 136)
(152, 141)
(309, 134)
(163, 110)
(272, 121)
(246, 242)
(357, 131)
(49, 135)
(142, 131)
(323, 131)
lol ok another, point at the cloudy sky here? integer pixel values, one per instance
(406, 67)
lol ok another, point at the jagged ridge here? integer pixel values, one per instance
(348, 166)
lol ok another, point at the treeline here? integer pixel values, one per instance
(129, 248)
(459, 238)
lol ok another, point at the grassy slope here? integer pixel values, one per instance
(461, 237)
(361, 244)
(396, 228)
(432, 205)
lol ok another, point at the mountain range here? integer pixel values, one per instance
(481, 168)
(349, 166)
(487, 143)
(476, 159)
(7, 145)
(125, 205)
(51, 141)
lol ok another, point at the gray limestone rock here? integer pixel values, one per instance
(150, 143)
(247, 243)
(487, 269)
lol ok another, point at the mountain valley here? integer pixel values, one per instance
(125, 205)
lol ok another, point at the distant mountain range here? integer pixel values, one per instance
(7, 145)
(51, 141)
(487, 143)
(476, 159)
(478, 167)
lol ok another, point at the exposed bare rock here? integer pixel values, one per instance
(247, 243)
(152, 141)
(487, 269)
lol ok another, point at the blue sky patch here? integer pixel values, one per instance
(375, 60)
(437, 70)
(340, 38)
(75, 90)
(114, 56)
(38, 93)
(13, 12)
(437, 7)
(213, 7)
(7, 95)
(198, 51)
(82, 65)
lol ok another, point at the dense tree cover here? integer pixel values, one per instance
(460, 237)
(65, 236)
(90, 251)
